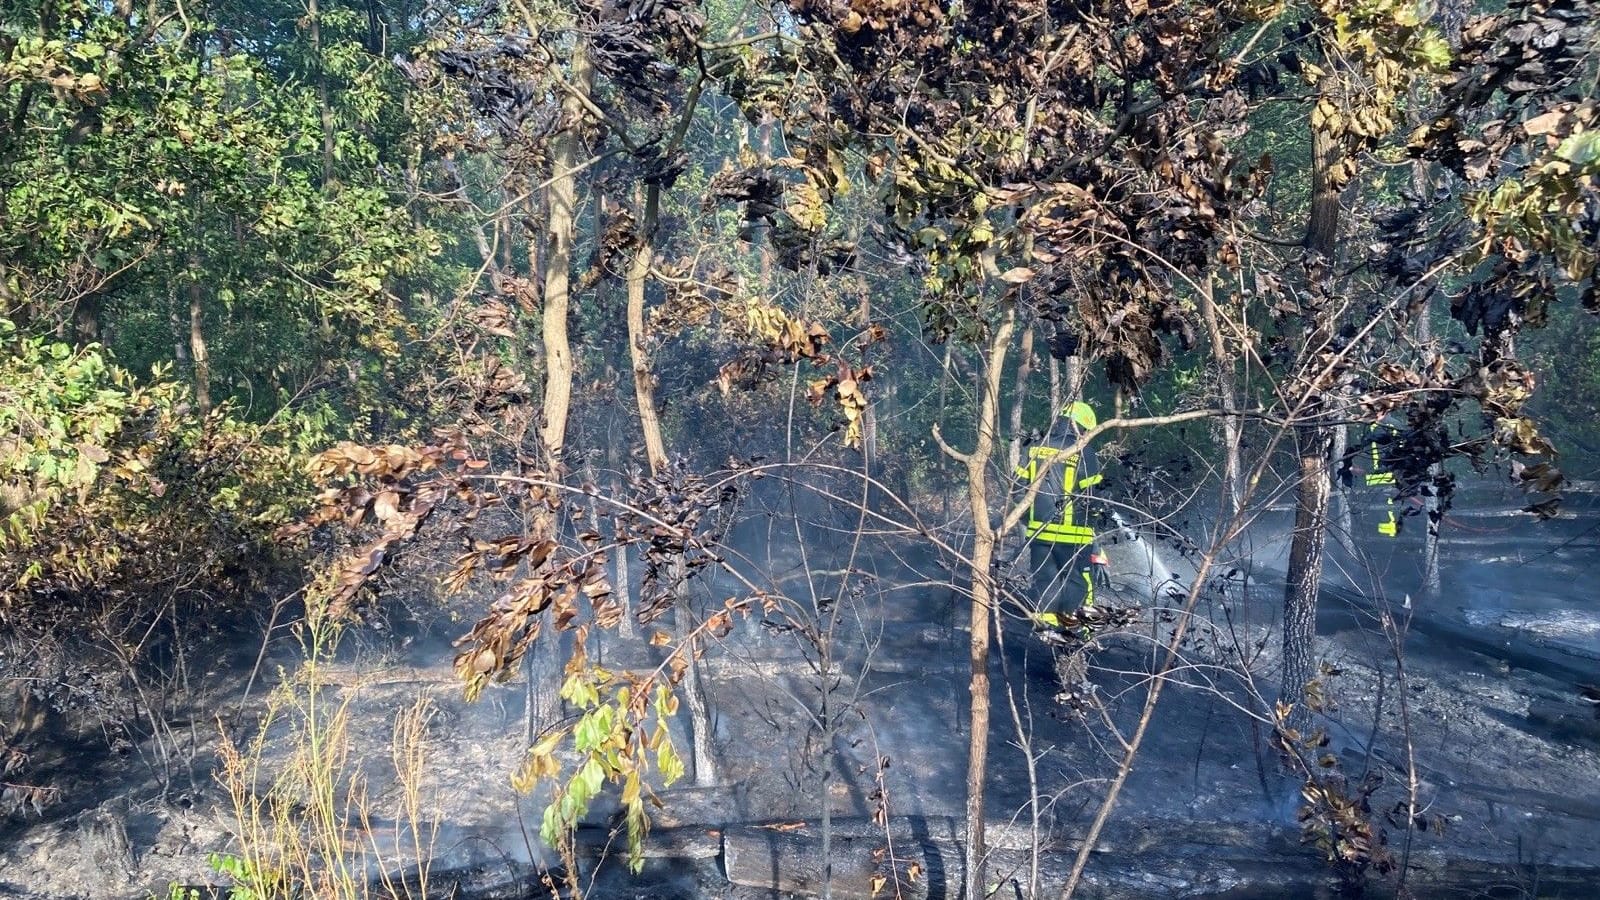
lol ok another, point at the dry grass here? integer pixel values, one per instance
(307, 826)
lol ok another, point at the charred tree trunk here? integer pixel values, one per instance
(1432, 521)
(1305, 567)
(86, 318)
(1312, 442)
(614, 456)
(706, 771)
(1430, 542)
(1449, 16)
(702, 733)
(374, 29)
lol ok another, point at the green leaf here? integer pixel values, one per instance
(1580, 149)
(668, 763)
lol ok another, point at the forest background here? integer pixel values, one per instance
(295, 293)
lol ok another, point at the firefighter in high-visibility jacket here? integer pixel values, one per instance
(1066, 563)
(1380, 474)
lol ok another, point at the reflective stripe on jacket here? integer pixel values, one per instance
(1379, 472)
(1054, 518)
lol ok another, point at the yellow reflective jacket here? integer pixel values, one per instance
(1054, 516)
(1379, 472)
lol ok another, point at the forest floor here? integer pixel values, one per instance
(1515, 790)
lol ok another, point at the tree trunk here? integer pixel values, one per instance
(1020, 399)
(1313, 442)
(1322, 230)
(180, 336)
(1305, 568)
(763, 233)
(197, 342)
(1228, 401)
(869, 416)
(624, 585)
(1449, 16)
(1340, 518)
(374, 29)
(325, 109)
(702, 733)
(655, 446)
(1055, 389)
(983, 600)
(1432, 521)
(626, 629)
(558, 266)
(944, 398)
(543, 663)
(705, 765)
(507, 229)
(86, 318)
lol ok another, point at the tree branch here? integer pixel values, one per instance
(953, 453)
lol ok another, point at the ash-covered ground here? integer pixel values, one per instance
(1477, 727)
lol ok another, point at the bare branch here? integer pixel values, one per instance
(953, 453)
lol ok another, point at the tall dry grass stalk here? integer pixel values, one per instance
(304, 814)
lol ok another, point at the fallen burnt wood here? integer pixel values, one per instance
(502, 879)
(1133, 862)
(1517, 649)
(472, 869)
(917, 858)
(1565, 721)
(912, 859)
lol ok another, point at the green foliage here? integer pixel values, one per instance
(614, 742)
(166, 161)
(176, 891)
(59, 407)
(110, 483)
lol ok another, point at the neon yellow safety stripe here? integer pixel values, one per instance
(1377, 475)
(1052, 533)
(1060, 531)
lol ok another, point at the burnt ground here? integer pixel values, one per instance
(1487, 710)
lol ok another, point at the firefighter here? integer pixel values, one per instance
(1380, 474)
(1058, 532)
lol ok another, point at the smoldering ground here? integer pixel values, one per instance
(846, 694)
